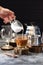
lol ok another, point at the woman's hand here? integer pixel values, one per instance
(7, 15)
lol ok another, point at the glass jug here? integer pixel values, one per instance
(16, 26)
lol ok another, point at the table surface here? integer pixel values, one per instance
(31, 59)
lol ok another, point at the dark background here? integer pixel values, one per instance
(26, 10)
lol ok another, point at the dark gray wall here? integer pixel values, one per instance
(26, 10)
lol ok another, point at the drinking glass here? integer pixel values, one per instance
(42, 38)
(21, 40)
(6, 34)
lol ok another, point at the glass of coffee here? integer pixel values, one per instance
(21, 40)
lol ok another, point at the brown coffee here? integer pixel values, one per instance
(21, 42)
(12, 44)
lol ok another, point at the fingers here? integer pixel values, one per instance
(12, 17)
(7, 15)
(6, 20)
(9, 19)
